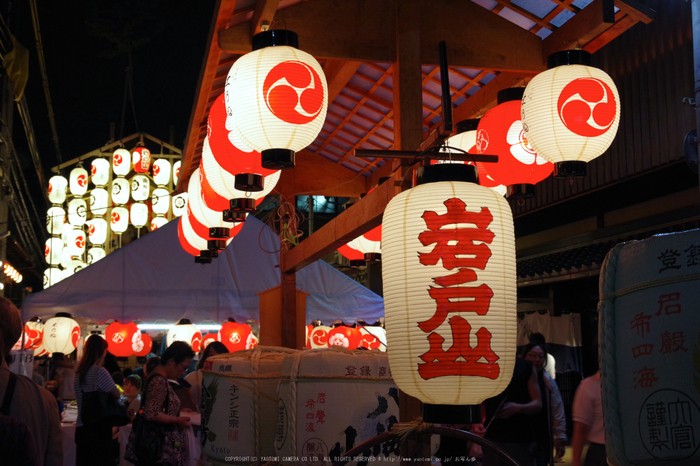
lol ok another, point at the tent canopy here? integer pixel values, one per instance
(153, 278)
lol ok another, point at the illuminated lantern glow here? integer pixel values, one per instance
(53, 251)
(61, 334)
(501, 133)
(160, 201)
(161, 172)
(139, 214)
(205, 217)
(121, 162)
(187, 332)
(140, 187)
(141, 157)
(75, 266)
(179, 204)
(277, 97)
(99, 201)
(52, 275)
(97, 230)
(120, 191)
(123, 339)
(373, 337)
(318, 338)
(176, 172)
(57, 189)
(347, 337)
(190, 242)
(76, 242)
(235, 336)
(78, 181)
(66, 258)
(571, 112)
(370, 249)
(146, 343)
(99, 171)
(95, 254)
(450, 292)
(12, 273)
(157, 222)
(119, 219)
(77, 212)
(356, 258)
(55, 220)
(33, 335)
(208, 338)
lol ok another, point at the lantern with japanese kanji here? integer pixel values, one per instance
(57, 189)
(121, 339)
(235, 336)
(78, 181)
(99, 171)
(570, 112)
(121, 162)
(146, 345)
(141, 157)
(61, 334)
(450, 292)
(501, 133)
(277, 96)
(140, 187)
(185, 331)
(345, 336)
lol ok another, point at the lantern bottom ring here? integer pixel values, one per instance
(234, 217)
(521, 191)
(277, 159)
(570, 169)
(249, 182)
(451, 414)
(242, 204)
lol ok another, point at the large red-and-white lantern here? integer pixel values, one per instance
(161, 172)
(33, 334)
(99, 171)
(55, 220)
(571, 112)
(57, 189)
(61, 334)
(277, 97)
(53, 251)
(351, 253)
(119, 221)
(78, 181)
(369, 244)
(141, 158)
(97, 230)
(123, 339)
(236, 336)
(140, 187)
(208, 338)
(501, 133)
(121, 162)
(76, 242)
(120, 191)
(185, 331)
(347, 337)
(99, 201)
(77, 212)
(450, 292)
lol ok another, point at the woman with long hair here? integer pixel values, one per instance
(93, 443)
(195, 378)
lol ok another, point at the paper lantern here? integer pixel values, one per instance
(75, 266)
(120, 191)
(95, 254)
(123, 339)
(448, 264)
(187, 332)
(141, 157)
(208, 338)
(121, 162)
(318, 338)
(97, 230)
(147, 343)
(78, 181)
(206, 217)
(501, 133)
(179, 204)
(373, 337)
(57, 189)
(161, 172)
(347, 337)
(277, 97)
(99, 171)
(140, 187)
(55, 220)
(33, 334)
(157, 222)
(571, 112)
(99, 201)
(351, 253)
(53, 251)
(76, 242)
(370, 249)
(176, 172)
(77, 212)
(61, 334)
(119, 219)
(138, 214)
(52, 275)
(235, 336)
(190, 242)
(160, 201)
(66, 258)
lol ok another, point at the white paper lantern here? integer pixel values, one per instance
(52, 275)
(99, 201)
(450, 292)
(140, 187)
(78, 181)
(157, 222)
(318, 338)
(61, 334)
(570, 112)
(119, 219)
(55, 220)
(161, 172)
(206, 216)
(373, 337)
(120, 191)
(53, 251)
(57, 189)
(160, 201)
(77, 212)
(76, 265)
(180, 204)
(366, 246)
(121, 162)
(141, 157)
(176, 172)
(97, 230)
(99, 171)
(66, 258)
(185, 331)
(76, 242)
(95, 254)
(139, 214)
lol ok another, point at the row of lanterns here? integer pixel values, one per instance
(12, 273)
(372, 337)
(59, 334)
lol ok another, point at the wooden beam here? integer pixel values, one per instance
(578, 31)
(338, 74)
(637, 10)
(345, 30)
(263, 14)
(485, 98)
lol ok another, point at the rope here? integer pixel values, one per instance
(405, 429)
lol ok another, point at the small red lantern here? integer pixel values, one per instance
(33, 335)
(235, 336)
(347, 337)
(141, 157)
(208, 338)
(120, 338)
(318, 338)
(147, 345)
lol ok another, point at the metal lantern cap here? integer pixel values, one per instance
(570, 169)
(470, 124)
(277, 159)
(242, 204)
(451, 414)
(510, 94)
(521, 191)
(569, 57)
(233, 216)
(447, 172)
(249, 182)
(273, 37)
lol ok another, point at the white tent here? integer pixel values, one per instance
(153, 278)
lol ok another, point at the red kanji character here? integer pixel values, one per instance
(640, 323)
(310, 427)
(457, 299)
(440, 363)
(642, 350)
(674, 308)
(672, 342)
(645, 378)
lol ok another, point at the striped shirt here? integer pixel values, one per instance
(97, 378)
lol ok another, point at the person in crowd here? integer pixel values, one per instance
(132, 394)
(160, 405)
(509, 417)
(551, 420)
(93, 443)
(551, 365)
(587, 414)
(118, 378)
(30, 430)
(195, 378)
(66, 375)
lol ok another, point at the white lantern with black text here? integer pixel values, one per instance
(448, 261)
(140, 187)
(61, 334)
(57, 189)
(78, 181)
(99, 171)
(77, 212)
(119, 219)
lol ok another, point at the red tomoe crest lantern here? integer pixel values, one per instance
(318, 338)
(208, 338)
(347, 337)
(123, 339)
(146, 345)
(293, 92)
(33, 333)
(235, 336)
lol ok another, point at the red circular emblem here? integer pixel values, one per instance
(118, 159)
(293, 92)
(115, 217)
(91, 229)
(80, 242)
(50, 188)
(47, 251)
(587, 107)
(82, 181)
(156, 170)
(93, 170)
